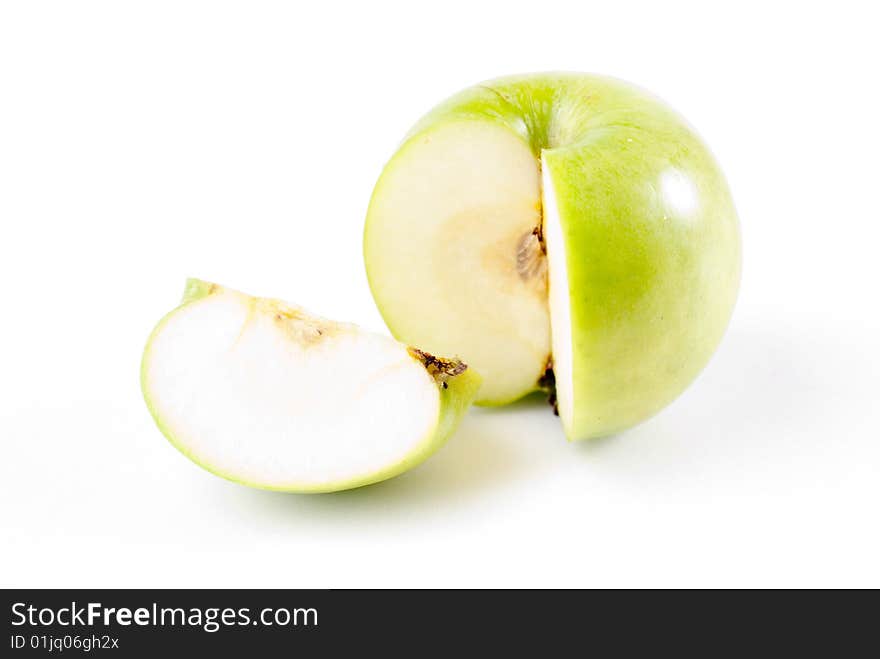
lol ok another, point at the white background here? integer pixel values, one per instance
(141, 143)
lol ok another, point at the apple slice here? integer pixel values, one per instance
(261, 392)
(565, 232)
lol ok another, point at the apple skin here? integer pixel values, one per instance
(455, 400)
(651, 235)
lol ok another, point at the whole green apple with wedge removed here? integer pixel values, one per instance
(261, 392)
(563, 228)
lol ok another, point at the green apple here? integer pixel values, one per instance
(563, 227)
(263, 393)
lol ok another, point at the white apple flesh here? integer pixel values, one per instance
(263, 393)
(460, 266)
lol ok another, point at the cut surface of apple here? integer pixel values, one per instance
(454, 221)
(558, 228)
(263, 393)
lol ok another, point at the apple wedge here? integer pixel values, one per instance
(565, 232)
(261, 392)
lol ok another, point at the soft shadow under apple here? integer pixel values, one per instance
(488, 453)
(758, 381)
